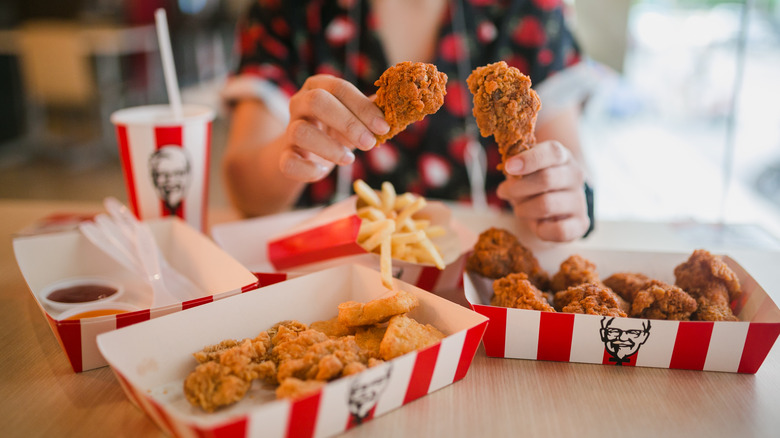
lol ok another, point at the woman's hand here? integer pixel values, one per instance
(329, 117)
(545, 187)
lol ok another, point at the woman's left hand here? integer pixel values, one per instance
(545, 186)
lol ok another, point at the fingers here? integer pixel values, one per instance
(301, 166)
(543, 155)
(561, 229)
(340, 106)
(552, 204)
(564, 177)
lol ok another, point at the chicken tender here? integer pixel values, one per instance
(352, 313)
(332, 327)
(505, 107)
(662, 301)
(709, 280)
(589, 298)
(212, 386)
(498, 253)
(405, 335)
(516, 291)
(408, 92)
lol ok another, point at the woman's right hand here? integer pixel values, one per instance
(329, 117)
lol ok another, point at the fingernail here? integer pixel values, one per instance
(367, 140)
(380, 126)
(348, 158)
(514, 166)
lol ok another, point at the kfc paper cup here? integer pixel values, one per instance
(165, 161)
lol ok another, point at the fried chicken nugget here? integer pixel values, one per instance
(404, 335)
(516, 291)
(408, 91)
(662, 301)
(505, 107)
(627, 284)
(369, 338)
(709, 280)
(573, 271)
(297, 388)
(352, 313)
(332, 327)
(499, 253)
(213, 385)
(589, 298)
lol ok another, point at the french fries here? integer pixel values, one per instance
(390, 229)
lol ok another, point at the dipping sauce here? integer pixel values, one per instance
(81, 293)
(94, 313)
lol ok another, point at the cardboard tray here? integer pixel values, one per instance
(152, 359)
(315, 239)
(46, 258)
(739, 347)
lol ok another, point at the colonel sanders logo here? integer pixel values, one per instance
(623, 337)
(170, 172)
(365, 391)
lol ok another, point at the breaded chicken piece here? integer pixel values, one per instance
(369, 338)
(712, 283)
(408, 91)
(498, 253)
(213, 385)
(627, 284)
(505, 107)
(405, 335)
(662, 301)
(323, 360)
(332, 327)
(352, 313)
(517, 292)
(589, 298)
(573, 271)
(297, 388)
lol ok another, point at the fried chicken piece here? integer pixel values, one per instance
(323, 360)
(708, 279)
(505, 107)
(573, 271)
(408, 91)
(404, 335)
(627, 284)
(213, 385)
(589, 298)
(332, 327)
(352, 313)
(662, 301)
(289, 344)
(297, 388)
(369, 338)
(498, 253)
(516, 291)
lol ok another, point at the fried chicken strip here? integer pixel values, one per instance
(712, 283)
(353, 314)
(505, 107)
(408, 91)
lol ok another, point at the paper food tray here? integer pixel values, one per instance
(44, 259)
(152, 359)
(696, 345)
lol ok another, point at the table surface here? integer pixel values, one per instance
(41, 396)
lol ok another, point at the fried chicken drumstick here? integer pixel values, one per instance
(407, 93)
(708, 279)
(505, 107)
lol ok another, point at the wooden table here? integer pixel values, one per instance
(41, 396)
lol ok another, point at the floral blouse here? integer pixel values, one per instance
(285, 42)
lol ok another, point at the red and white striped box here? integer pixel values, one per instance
(152, 373)
(47, 258)
(165, 161)
(738, 347)
(329, 238)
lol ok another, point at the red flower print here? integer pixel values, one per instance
(280, 27)
(359, 63)
(410, 137)
(382, 159)
(434, 170)
(274, 47)
(486, 32)
(519, 63)
(529, 33)
(322, 190)
(371, 21)
(457, 148)
(545, 56)
(359, 167)
(271, 4)
(339, 31)
(493, 158)
(249, 38)
(547, 5)
(313, 19)
(327, 69)
(457, 101)
(452, 47)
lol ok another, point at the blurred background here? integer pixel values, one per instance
(683, 124)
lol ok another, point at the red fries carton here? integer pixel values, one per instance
(152, 372)
(48, 258)
(738, 347)
(311, 240)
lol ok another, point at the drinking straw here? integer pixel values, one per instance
(169, 69)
